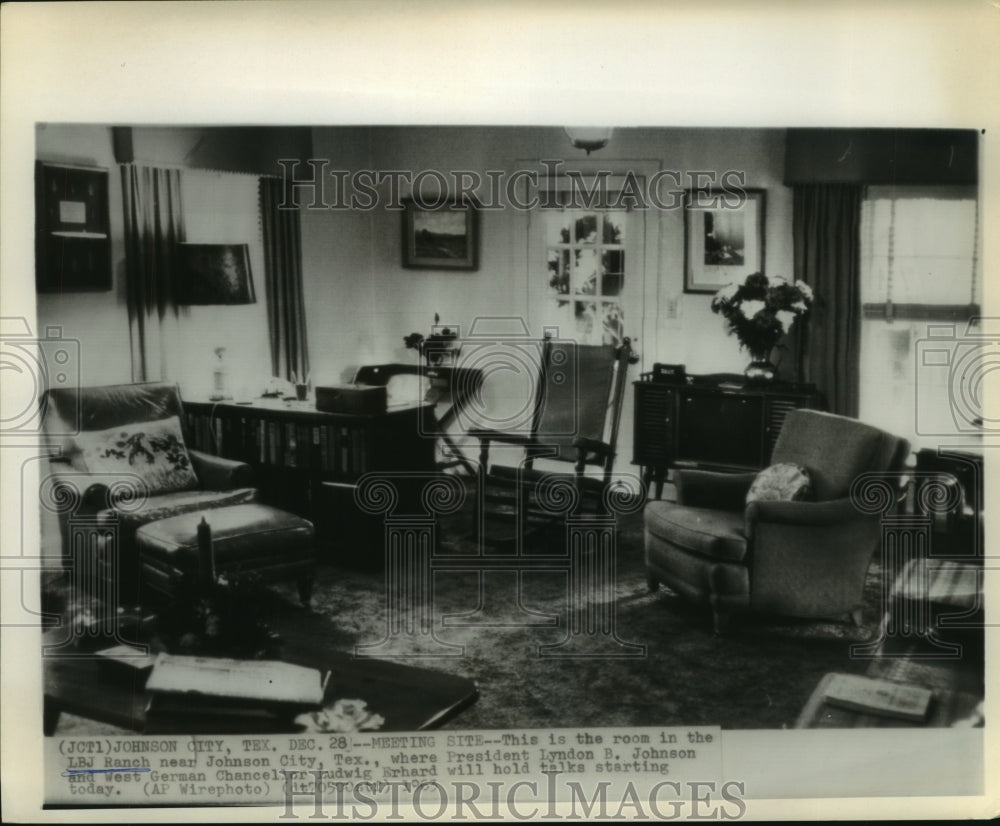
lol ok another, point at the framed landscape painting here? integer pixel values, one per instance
(440, 236)
(723, 238)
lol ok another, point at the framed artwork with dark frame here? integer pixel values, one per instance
(443, 235)
(214, 274)
(72, 228)
(723, 237)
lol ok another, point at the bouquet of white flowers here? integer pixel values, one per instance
(761, 310)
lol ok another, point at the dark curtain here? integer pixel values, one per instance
(154, 225)
(286, 319)
(825, 228)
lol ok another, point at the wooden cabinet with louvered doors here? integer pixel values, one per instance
(655, 439)
(705, 423)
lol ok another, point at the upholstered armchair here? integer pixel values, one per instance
(798, 558)
(119, 462)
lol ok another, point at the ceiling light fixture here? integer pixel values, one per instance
(589, 138)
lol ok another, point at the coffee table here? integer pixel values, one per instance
(409, 698)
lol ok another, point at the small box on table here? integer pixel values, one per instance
(352, 398)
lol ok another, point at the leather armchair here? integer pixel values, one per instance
(799, 558)
(110, 509)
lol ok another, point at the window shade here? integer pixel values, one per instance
(919, 252)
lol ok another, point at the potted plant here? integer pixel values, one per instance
(759, 312)
(440, 347)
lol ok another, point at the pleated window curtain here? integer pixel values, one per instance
(826, 232)
(286, 320)
(154, 225)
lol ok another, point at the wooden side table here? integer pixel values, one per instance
(453, 387)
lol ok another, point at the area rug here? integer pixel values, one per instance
(759, 676)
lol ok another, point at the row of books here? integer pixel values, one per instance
(338, 450)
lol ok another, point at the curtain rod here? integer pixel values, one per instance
(185, 168)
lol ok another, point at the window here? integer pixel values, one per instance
(919, 277)
(918, 252)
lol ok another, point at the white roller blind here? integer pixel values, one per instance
(918, 246)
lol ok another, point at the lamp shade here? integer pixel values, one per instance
(214, 274)
(589, 137)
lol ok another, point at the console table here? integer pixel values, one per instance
(713, 422)
(308, 461)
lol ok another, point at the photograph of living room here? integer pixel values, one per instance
(488, 427)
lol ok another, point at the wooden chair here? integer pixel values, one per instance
(575, 422)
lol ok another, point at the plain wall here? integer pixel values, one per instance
(342, 247)
(99, 320)
(361, 301)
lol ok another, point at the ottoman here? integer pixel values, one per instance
(267, 543)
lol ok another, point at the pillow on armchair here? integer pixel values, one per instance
(782, 482)
(153, 451)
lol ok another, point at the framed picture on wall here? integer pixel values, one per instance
(723, 237)
(72, 240)
(214, 274)
(442, 235)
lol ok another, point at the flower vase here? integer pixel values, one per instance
(760, 370)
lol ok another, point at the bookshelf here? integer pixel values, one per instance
(308, 462)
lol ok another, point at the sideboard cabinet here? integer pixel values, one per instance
(710, 423)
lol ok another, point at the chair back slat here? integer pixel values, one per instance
(580, 393)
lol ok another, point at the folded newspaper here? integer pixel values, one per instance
(250, 682)
(874, 696)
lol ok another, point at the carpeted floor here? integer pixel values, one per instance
(759, 676)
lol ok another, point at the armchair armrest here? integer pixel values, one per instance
(809, 559)
(73, 492)
(707, 489)
(597, 446)
(832, 512)
(216, 473)
(501, 436)
(70, 493)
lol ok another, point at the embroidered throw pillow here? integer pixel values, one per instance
(783, 482)
(154, 451)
